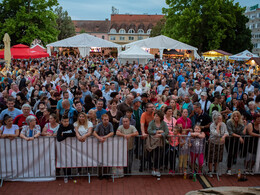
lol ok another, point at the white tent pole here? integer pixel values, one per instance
(49, 50)
(161, 53)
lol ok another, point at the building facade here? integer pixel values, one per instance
(121, 29)
(126, 28)
(253, 14)
(97, 28)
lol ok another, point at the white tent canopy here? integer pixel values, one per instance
(162, 42)
(242, 56)
(134, 53)
(84, 42)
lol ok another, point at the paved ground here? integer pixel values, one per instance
(128, 185)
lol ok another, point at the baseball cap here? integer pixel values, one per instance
(136, 100)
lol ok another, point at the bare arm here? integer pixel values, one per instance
(250, 131)
(24, 137)
(97, 136)
(143, 131)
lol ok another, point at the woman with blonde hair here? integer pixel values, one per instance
(92, 117)
(83, 127)
(236, 129)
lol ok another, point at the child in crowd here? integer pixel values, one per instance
(197, 142)
(184, 151)
(173, 148)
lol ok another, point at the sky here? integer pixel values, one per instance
(101, 9)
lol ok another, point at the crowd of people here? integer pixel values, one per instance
(190, 110)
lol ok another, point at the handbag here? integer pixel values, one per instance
(153, 142)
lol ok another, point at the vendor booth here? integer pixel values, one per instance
(254, 61)
(84, 42)
(216, 55)
(242, 56)
(21, 51)
(136, 54)
(39, 48)
(172, 53)
(162, 42)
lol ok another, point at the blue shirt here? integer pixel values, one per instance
(12, 114)
(180, 79)
(60, 108)
(99, 113)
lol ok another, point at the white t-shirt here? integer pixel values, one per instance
(9, 131)
(55, 130)
(82, 130)
(138, 90)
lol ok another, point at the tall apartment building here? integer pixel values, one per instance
(253, 13)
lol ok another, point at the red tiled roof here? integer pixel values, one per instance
(92, 26)
(134, 21)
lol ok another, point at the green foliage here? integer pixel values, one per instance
(26, 20)
(157, 29)
(65, 25)
(208, 24)
(82, 31)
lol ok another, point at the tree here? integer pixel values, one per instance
(26, 20)
(82, 31)
(157, 29)
(207, 24)
(65, 25)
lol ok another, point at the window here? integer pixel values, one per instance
(131, 38)
(131, 31)
(255, 45)
(112, 38)
(112, 30)
(121, 38)
(140, 37)
(122, 31)
(253, 16)
(149, 31)
(103, 37)
(140, 31)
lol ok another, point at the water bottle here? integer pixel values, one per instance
(194, 177)
(66, 179)
(185, 175)
(239, 174)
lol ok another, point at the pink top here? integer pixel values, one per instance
(171, 123)
(174, 139)
(186, 124)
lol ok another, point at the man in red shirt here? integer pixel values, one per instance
(20, 120)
